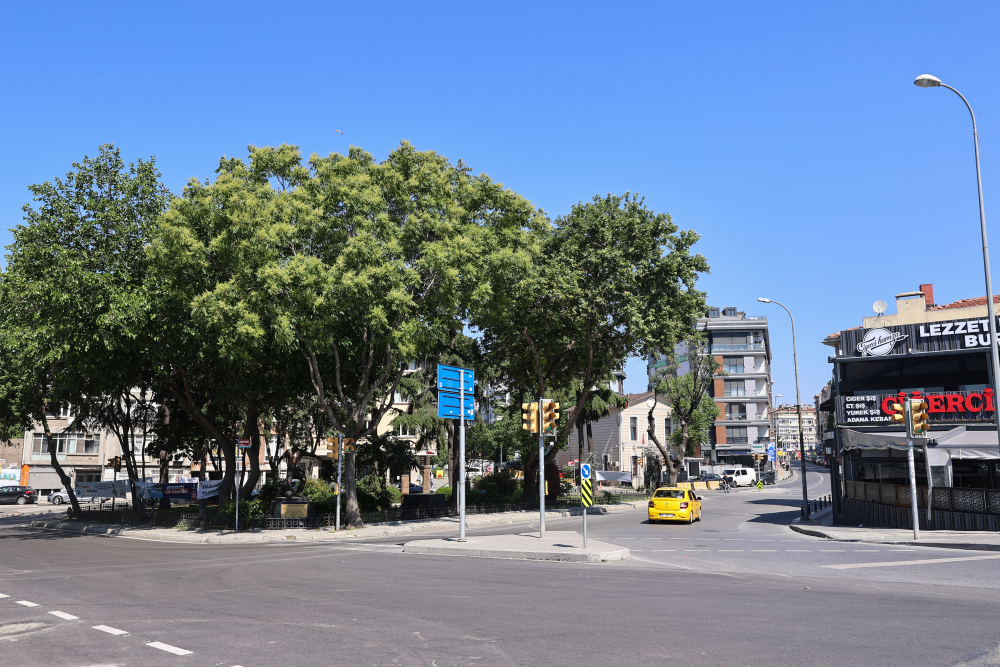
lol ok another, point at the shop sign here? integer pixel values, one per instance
(874, 409)
(926, 337)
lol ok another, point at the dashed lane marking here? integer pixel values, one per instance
(732, 550)
(927, 561)
(63, 615)
(169, 649)
(804, 551)
(4, 596)
(110, 630)
(762, 550)
(663, 549)
(26, 603)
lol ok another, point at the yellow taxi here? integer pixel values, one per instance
(672, 504)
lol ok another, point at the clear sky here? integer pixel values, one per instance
(789, 134)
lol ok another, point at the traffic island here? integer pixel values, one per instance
(564, 546)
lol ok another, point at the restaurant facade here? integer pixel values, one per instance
(939, 353)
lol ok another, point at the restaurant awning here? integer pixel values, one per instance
(958, 443)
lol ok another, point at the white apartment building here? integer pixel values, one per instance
(787, 418)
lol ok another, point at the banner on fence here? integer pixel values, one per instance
(118, 489)
(180, 491)
(208, 488)
(613, 476)
(149, 490)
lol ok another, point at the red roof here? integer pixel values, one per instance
(967, 303)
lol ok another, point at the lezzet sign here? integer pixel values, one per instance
(927, 337)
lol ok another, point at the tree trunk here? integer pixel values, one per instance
(251, 431)
(63, 477)
(352, 513)
(164, 477)
(672, 467)
(579, 433)
(590, 438)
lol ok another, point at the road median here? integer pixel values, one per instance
(370, 531)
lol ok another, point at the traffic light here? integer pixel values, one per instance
(529, 417)
(348, 445)
(918, 417)
(334, 452)
(897, 413)
(550, 415)
(118, 464)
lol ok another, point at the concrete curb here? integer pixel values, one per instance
(390, 529)
(817, 531)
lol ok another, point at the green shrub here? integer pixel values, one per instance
(249, 509)
(500, 487)
(445, 491)
(370, 498)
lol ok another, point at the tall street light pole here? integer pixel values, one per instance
(928, 81)
(798, 406)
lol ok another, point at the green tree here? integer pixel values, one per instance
(684, 380)
(76, 281)
(609, 280)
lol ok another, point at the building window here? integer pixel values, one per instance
(633, 427)
(713, 312)
(732, 364)
(736, 411)
(736, 435)
(735, 388)
(729, 312)
(668, 428)
(405, 429)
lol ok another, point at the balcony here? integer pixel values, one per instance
(738, 347)
(735, 392)
(736, 416)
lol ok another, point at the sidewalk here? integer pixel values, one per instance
(821, 525)
(561, 545)
(390, 529)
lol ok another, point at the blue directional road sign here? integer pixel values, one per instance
(448, 379)
(770, 452)
(585, 471)
(448, 406)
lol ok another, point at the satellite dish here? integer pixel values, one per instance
(879, 306)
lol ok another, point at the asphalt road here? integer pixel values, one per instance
(738, 588)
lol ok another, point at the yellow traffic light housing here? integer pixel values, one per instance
(529, 417)
(897, 413)
(550, 416)
(348, 445)
(918, 417)
(334, 452)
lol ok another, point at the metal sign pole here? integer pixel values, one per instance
(461, 455)
(914, 511)
(541, 473)
(340, 467)
(239, 482)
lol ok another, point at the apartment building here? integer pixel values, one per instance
(787, 419)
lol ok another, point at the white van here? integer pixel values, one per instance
(741, 476)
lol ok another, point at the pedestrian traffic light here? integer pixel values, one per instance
(529, 417)
(550, 415)
(918, 417)
(897, 413)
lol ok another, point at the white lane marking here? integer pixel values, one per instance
(26, 603)
(804, 551)
(4, 596)
(652, 538)
(865, 551)
(763, 540)
(839, 551)
(734, 539)
(928, 561)
(169, 649)
(63, 615)
(110, 630)
(761, 550)
(680, 538)
(663, 549)
(740, 550)
(901, 549)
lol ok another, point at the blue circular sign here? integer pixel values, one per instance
(585, 471)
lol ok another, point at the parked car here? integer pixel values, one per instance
(59, 497)
(769, 477)
(673, 504)
(711, 477)
(19, 495)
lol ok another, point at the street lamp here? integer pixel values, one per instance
(929, 81)
(798, 406)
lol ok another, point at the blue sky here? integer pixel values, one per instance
(789, 135)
